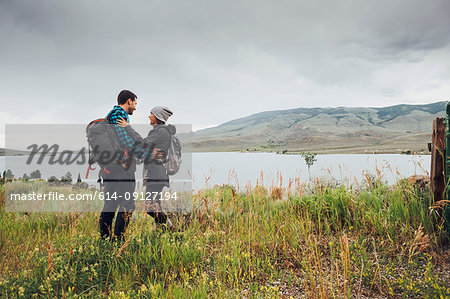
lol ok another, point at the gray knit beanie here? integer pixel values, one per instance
(161, 113)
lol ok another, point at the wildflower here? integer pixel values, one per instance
(21, 291)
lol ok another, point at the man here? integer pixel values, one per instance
(119, 178)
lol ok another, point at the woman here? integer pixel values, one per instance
(155, 174)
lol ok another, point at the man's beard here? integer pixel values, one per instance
(130, 111)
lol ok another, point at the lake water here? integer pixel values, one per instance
(208, 169)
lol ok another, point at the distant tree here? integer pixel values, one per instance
(8, 174)
(52, 179)
(67, 178)
(79, 178)
(310, 158)
(25, 177)
(35, 174)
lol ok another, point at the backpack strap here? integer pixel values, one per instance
(96, 120)
(93, 122)
(89, 169)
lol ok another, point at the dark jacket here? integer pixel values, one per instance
(159, 137)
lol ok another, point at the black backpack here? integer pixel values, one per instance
(104, 145)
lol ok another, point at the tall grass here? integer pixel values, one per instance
(316, 240)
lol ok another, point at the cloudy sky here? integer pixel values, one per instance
(214, 61)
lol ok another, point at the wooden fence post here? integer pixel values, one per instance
(437, 175)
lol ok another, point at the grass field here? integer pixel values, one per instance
(313, 240)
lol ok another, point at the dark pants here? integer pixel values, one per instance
(119, 191)
(160, 217)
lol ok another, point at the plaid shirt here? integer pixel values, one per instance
(115, 114)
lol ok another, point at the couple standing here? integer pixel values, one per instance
(119, 180)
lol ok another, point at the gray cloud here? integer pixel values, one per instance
(213, 61)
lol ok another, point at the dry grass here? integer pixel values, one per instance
(309, 239)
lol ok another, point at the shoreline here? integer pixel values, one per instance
(296, 152)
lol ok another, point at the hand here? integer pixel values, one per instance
(122, 123)
(158, 155)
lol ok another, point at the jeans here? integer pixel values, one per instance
(118, 193)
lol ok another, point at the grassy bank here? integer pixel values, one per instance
(317, 241)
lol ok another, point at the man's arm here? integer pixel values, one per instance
(125, 139)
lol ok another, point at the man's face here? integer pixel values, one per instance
(131, 106)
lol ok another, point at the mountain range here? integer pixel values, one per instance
(399, 128)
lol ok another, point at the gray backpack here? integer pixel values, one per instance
(173, 157)
(105, 145)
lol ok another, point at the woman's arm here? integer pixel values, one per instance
(148, 150)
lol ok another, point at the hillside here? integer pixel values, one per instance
(340, 130)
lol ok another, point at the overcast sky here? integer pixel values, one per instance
(214, 61)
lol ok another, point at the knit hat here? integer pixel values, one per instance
(161, 113)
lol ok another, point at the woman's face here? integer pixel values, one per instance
(152, 119)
